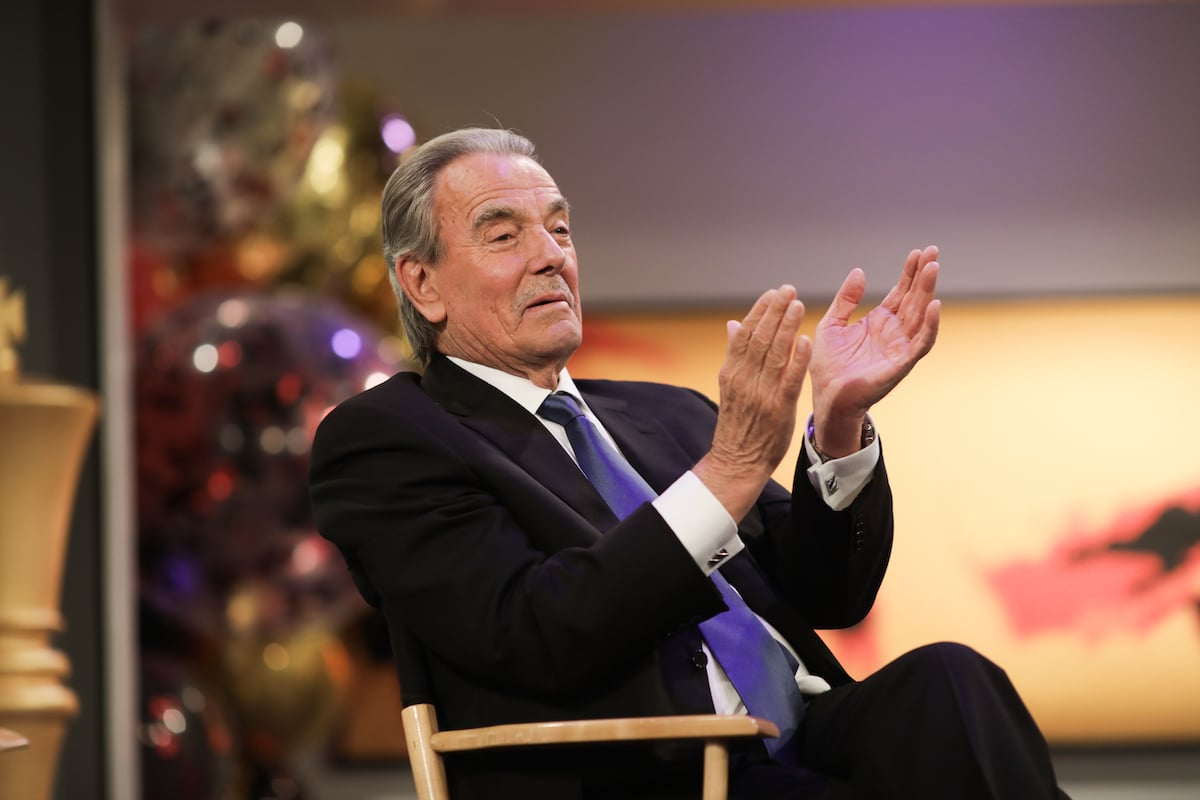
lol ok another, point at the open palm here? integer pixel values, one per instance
(854, 365)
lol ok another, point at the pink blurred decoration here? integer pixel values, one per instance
(222, 458)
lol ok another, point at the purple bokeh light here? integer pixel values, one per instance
(346, 343)
(397, 133)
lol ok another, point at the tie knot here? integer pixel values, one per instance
(560, 407)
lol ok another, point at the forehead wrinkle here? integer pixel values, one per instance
(493, 213)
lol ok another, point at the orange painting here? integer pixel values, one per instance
(1045, 459)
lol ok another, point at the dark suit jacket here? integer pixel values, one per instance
(465, 521)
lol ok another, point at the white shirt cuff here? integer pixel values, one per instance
(701, 523)
(840, 480)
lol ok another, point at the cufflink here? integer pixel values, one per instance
(718, 557)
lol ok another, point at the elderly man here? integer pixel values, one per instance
(565, 549)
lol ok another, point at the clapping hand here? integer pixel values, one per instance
(855, 365)
(760, 383)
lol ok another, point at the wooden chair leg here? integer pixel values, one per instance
(716, 770)
(429, 773)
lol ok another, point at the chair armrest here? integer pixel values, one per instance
(11, 740)
(627, 729)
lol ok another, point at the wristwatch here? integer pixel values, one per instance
(868, 436)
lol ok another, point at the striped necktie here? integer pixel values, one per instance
(760, 669)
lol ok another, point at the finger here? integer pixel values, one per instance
(927, 256)
(929, 277)
(784, 343)
(914, 305)
(763, 336)
(733, 343)
(892, 301)
(793, 374)
(912, 264)
(751, 339)
(847, 298)
(922, 343)
(909, 277)
(739, 336)
(770, 306)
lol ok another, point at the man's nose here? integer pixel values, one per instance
(547, 254)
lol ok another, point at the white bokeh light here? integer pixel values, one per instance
(205, 357)
(288, 35)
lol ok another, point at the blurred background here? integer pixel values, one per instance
(192, 210)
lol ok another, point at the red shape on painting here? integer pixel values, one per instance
(1128, 577)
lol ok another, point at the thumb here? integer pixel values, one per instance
(847, 297)
(734, 345)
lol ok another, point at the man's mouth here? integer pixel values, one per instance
(549, 300)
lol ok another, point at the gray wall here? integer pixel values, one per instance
(710, 155)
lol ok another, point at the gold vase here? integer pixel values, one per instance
(44, 433)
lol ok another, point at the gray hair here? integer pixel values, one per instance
(409, 227)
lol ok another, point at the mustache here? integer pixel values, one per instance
(555, 285)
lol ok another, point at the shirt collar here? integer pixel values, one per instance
(522, 390)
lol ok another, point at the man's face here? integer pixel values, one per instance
(507, 286)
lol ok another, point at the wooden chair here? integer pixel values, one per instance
(427, 744)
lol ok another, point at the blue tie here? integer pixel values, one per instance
(758, 666)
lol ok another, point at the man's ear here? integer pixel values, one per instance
(420, 284)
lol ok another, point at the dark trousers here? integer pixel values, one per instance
(939, 722)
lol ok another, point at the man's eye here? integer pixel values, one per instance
(561, 229)
(503, 237)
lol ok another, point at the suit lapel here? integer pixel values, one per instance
(514, 431)
(498, 419)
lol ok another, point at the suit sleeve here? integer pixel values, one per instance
(522, 595)
(827, 564)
